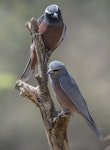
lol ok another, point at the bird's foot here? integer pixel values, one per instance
(59, 114)
(64, 112)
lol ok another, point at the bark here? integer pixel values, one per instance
(55, 122)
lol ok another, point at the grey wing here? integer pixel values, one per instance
(71, 89)
(39, 20)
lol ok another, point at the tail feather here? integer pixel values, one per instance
(93, 126)
(28, 71)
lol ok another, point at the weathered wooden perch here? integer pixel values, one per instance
(55, 123)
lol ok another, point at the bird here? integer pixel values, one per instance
(52, 29)
(68, 94)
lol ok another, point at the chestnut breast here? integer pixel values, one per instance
(51, 34)
(62, 98)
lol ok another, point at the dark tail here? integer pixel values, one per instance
(93, 126)
(28, 71)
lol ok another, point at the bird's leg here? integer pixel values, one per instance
(61, 113)
(64, 111)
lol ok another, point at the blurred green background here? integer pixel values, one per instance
(86, 53)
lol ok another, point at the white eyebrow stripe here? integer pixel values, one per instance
(46, 11)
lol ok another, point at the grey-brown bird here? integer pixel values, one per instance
(68, 94)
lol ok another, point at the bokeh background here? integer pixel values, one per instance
(86, 53)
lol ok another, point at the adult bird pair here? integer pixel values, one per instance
(52, 29)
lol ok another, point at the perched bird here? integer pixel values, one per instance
(68, 94)
(52, 29)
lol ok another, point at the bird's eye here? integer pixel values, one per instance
(49, 14)
(56, 70)
(52, 73)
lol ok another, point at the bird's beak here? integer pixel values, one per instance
(55, 15)
(48, 72)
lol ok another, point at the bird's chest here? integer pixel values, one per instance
(51, 34)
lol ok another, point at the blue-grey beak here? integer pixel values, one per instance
(55, 15)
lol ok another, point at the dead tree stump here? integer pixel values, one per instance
(55, 123)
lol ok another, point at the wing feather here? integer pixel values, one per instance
(40, 19)
(71, 89)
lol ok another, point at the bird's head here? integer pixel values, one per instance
(56, 69)
(53, 13)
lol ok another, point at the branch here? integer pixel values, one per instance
(55, 123)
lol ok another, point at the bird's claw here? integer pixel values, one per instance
(62, 113)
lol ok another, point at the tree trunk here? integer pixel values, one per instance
(55, 123)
